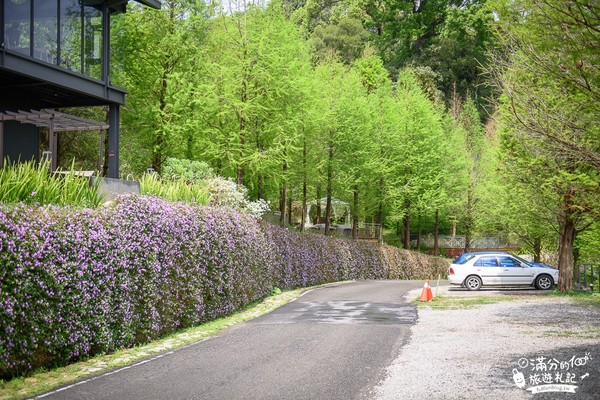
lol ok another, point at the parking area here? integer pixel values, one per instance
(497, 343)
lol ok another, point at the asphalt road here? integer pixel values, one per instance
(331, 343)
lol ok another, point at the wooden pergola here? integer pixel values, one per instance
(55, 122)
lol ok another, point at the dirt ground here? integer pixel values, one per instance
(534, 346)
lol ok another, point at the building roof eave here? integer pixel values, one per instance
(150, 3)
(54, 120)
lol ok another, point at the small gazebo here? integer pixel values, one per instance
(339, 208)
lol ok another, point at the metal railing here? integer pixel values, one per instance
(459, 242)
(587, 276)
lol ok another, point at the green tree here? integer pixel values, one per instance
(155, 52)
(343, 108)
(470, 122)
(253, 94)
(346, 39)
(550, 108)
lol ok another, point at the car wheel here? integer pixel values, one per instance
(543, 282)
(473, 282)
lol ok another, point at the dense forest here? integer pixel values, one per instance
(421, 114)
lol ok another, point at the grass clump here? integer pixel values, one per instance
(178, 189)
(580, 334)
(462, 302)
(581, 296)
(31, 183)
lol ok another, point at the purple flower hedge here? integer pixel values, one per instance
(78, 282)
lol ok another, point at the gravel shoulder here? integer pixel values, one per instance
(473, 353)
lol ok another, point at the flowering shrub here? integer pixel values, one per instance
(226, 193)
(77, 282)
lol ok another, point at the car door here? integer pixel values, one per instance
(488, 269)
(514, 272)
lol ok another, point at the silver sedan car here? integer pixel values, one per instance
(474, 270)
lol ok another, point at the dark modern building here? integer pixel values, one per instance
(55, 54)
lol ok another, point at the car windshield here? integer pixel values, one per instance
(529, 263)
(464, 258)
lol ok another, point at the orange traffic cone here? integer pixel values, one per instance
(426, 294)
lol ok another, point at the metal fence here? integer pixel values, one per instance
(459, 242)
(587, 276)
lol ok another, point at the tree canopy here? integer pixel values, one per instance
(470, 117)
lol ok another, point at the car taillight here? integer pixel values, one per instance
(451, 271)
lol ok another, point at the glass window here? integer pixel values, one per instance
(45, 30)
(487, 262)
(70, 35)
(463, 258)
(93, 42)
(508, 262)
(17, 28)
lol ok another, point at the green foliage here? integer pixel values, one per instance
(588, 244)
(155, 58)
(194, 182)
(372, 73)
(253, 97)
(345, 39)
(242, 96)
(275, 291)
(459, 53)
(189, 170)
(176, 189)
(30, 183)
(549, 112)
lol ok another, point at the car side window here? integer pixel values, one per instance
(487, 262)
(508, 262)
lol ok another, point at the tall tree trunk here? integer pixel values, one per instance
(158, 151)
(355, 215)
(328, 214)
(329, 191)
(565, 257)
(567, 238)
(283, 205)
(159, 139)
(189, 147)
(537, 249)
(436, 228)
(318, 205)
(418, 247)
(289, 211)
(282, 209)
(407, 229)
(261, 187)
(304, 187)
(379, 230)
(243, 121)
(469, 219)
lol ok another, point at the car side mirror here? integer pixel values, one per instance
(523, 265)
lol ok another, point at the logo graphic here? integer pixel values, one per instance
(548, 374)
